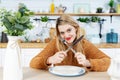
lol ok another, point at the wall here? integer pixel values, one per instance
(43, 6)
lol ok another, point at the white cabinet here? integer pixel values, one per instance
(28, 54)
(109, 51)
(2, 53)
(117, 52)
(0, 57)
(112, 52)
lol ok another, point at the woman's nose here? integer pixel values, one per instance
(66, 35)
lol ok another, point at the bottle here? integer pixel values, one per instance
(52, 7)
(112, 37)
(118, 8)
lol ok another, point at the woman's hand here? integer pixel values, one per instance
(82, 59)
(57, 58)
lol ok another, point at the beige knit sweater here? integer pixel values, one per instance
(99, 61)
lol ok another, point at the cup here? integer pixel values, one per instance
(114, 68)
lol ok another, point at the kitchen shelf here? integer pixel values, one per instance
(85, 14)
(81, 14)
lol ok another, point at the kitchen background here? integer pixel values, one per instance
(92, 31)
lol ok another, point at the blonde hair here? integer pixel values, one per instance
(66, 19)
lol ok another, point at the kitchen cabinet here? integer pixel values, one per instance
(0, 57)
(26, 54)
(112, 52)
(117, 52)
(109, 51)
(29, 53)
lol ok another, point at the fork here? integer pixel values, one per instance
(52, 65)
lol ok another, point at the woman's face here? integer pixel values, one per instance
(67, 32)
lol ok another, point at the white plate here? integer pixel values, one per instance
(67, 70)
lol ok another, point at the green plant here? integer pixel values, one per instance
(44, 19)
(94, 19)
(99, 10)
(85, 20)
(15, 23)
(24, 10)
(111, 3)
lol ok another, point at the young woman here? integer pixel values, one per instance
(85, 54)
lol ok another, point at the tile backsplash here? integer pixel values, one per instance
(91, 31)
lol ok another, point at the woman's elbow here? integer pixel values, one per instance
(34, 64)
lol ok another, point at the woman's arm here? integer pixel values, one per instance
(99, 61)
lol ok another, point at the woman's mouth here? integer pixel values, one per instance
(68, 38)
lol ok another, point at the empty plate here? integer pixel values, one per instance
(67, 70)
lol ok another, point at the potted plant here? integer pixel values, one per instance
(111, 4)
(44, 19)
(94, 19)
(99, 10)
(14, 23)
(84, 20)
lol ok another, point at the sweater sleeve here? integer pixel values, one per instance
(99, 60)
(39, 61)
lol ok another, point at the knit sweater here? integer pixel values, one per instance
(98, 60)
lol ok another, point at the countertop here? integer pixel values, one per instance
(42, 45)
(34, 74)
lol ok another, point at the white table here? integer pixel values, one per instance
(34, 74)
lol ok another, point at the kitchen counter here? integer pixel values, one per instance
(26, 45)
(42, 45)
(34, 74)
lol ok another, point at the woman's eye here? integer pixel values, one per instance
(69, 30)
(61, 33)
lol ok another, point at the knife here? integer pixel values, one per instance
(63, 40)
(74, 43)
